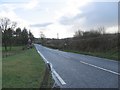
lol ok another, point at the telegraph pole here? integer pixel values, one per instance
(57, 35)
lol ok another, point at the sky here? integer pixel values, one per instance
(61, 16)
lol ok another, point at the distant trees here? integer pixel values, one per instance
(42, 38)
(10, 36)
(92, 33)
(94, 40)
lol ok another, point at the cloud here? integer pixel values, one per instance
(66, 20)
(112, 29)
(7, 10)
(63, 31)
(100, 13)
(68, 14)
(25, 4)
(32, 4)
(95, 14)
(51, 31)
(41, 25)
(106, 0)
(71, 8)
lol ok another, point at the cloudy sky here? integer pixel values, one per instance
(61, 16)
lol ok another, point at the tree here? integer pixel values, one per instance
(78, 33)
(10, 37)
(0, 36)
(42, 38)
(101, 30)
(18, 36)
(31, 37)
(24, 36)
(7, 26)
(91, 33)
(4, 23)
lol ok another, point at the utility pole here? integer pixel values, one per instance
(57, 35)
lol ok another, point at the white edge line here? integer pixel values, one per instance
(53, 71)
(59, 78)
(43, 57)
(100, 68)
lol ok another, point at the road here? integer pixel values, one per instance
(81, 71)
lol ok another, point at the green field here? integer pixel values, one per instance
(23, 70)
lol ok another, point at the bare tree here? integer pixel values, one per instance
(78, 33)
(4, 23)
(13, 25)
(101, 30)
(7, 27)
(42, 38)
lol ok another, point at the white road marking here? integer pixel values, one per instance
(100, 68)
(59, 78)
(43, 57)
(53, 70)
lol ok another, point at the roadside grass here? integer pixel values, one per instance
(0, 67)
(112, 54)
(0, 48)
(0, 73)
(23, 70)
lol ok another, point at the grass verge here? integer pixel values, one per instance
(112, 54)
(23, 70)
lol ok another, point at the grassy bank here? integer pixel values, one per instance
(112, 54)
(23, 70)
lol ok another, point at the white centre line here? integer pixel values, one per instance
(100, 68)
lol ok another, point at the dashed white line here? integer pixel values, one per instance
(100, 68)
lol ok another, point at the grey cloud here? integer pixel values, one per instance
(97, 13)
(41, 25)
(66, 20)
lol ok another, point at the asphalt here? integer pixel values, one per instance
(82, 71)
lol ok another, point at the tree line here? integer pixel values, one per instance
(95, 40)
(12, 36)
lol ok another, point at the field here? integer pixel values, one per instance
(23, 70)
